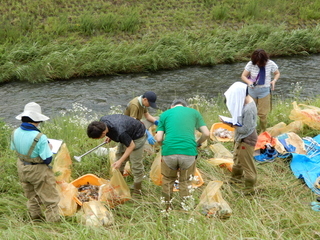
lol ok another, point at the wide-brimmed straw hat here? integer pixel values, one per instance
(33, 111)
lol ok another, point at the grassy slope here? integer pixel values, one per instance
(280, 211)
(49, 39)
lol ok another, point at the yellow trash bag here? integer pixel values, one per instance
(308, 114)
(67, 204)
(112, 159)
(222, 156)
(116, 191)
(212, 203)
(155, 171)
(96, 214)
(62, 165)
(280, 128)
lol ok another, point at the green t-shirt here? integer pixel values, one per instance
(179, 125)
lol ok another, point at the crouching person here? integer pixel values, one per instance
(176, 132)
(131, 136)
(34, 156)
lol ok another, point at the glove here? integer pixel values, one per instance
(151, 139)
(156, 122)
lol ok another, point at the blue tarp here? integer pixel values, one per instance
(307, 166)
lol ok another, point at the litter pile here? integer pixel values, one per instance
(283, 141)
(94, 196)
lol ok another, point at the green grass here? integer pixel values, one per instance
(280, 211)
(52, 40)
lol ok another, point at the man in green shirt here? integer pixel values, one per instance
(176, 132)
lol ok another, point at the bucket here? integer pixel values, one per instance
(216, 126)
(85, 179)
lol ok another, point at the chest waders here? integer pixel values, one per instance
(27, 159)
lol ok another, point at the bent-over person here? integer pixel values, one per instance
(176, 132)
(131, 134)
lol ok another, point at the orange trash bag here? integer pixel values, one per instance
(212, 203)
(309, 115)
(263, 139)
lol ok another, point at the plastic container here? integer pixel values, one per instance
(215, 126)
(85, 179)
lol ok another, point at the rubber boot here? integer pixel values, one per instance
(249, 187)
(236, 176)
(167, 201)
(137, 190)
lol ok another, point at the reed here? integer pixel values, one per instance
(200, 32)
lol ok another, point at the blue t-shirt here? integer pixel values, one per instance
(23, 140)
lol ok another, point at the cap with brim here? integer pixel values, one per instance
(152, 97)
(33, 111)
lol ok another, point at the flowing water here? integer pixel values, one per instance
(99, 94)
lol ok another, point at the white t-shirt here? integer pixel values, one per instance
(270, 67)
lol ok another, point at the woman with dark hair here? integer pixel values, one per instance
(257, 74)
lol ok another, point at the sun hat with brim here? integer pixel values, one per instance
(33, 111)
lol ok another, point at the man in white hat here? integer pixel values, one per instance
(34, 157)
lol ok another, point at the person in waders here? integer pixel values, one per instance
(257, 75)
(34, 156)
(244, 116)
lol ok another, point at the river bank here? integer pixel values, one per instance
(95, 38)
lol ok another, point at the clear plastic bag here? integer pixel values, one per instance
(96, 214)
(212, 203)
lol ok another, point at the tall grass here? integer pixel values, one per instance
(39, 43)
(281, 209)
(34, 62)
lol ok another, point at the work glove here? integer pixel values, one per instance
(156, 122)
(151, 139)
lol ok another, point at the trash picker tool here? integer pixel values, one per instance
(78, 158)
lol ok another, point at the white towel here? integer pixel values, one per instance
(235, 96)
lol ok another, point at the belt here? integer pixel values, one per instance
(29, 163)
